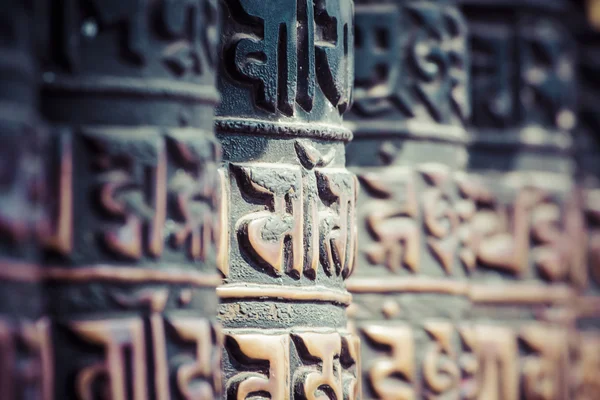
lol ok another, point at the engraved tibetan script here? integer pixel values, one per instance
(308, 218)
(431, 80)
(329, 361)
(125, 356)
(289, 47)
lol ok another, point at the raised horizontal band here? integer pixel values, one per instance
(516, 293)
(406, 285)
(315, 130)
(32, 273)
(410, 130)
(138, 87)
(321, 294)
(522, 138)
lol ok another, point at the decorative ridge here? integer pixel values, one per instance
(410, 130)
(139, 87)
(307, 129)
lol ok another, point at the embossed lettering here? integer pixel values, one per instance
(392, 376)
(273, 350)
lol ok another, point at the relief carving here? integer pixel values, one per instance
(289, 48)
(281, 238)
(124, 169)
(440, 370)
(272, 351)
(187, 29)
(431, 80)
(392, 219)
(391, 377)
(325, 380)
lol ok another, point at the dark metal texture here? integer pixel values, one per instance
(22, 327)
(129, 90)
(586, 384)
(410, 288)
(286, 71)
(526, 228)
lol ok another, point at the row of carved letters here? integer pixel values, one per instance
(187, 27)
(328, 368)
(488, 364)
(463, 216)
(292, 196)
(124, 343)
(137, 192)
(312, 44)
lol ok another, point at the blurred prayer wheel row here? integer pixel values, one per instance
(294, 199)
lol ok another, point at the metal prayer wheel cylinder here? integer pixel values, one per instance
(288, 237)
(526, 227)
(22, 350)
(410, 292)
(129, 90)
(587, 147)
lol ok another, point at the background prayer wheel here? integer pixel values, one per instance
(130, 256)
(410, 285)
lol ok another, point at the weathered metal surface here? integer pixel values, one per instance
(526, 230)
(288, 238)
(410, 288)
(22, 327)
(586, 384)
(129, 90)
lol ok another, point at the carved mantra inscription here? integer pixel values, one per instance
(459, 218)
(533, 55)
(149, 190)
(469, 362)
(284, 49)
(306, 219)
(25, 357)
(179, 37)
(123, 355)
(327, 370)
(418, 70)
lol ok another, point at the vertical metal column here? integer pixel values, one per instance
(526, 230)
(129, 89)
(586, 343)
(288, 238)
(23, 343)
(409, 290)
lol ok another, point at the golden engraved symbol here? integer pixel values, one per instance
(544, 371)
(391, 219)
(469, 363)
(385, 372)
(194, 192)
(123, 194)
(350, 358)
(125, 342)
(121, 339)
(207, 363)
(273, 349)
(324, 383)
(280, 238)
(59, 235)
(440, 369)
(560, 232)
(266, 231)
(440, 218)
(337, 228)
(499, 363)
(501, 234)
(586, 385)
